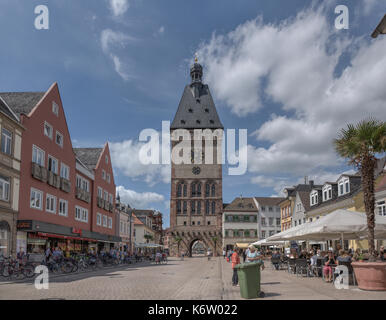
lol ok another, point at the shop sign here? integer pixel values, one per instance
(77, 231)
(24, 225)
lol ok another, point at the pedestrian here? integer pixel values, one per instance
(382, 253)
(235, 261)
(245, 253)
(224, 252)
(182, 255)
(48, 253)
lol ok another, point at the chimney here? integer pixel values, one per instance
(305, 179)
(311, 183)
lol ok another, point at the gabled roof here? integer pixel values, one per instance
(4, 108)
(305, 199)
(22, 102)
(241, 204)
(143, 212)
(136, 220)
(88, 156)
(196, 109)
(269, 201)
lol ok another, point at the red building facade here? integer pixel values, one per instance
(59, 203)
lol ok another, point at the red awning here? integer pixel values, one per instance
(51, 235)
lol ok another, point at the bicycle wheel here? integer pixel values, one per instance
(29, 271)
(5, 272)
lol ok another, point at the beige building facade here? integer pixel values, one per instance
(10, 163)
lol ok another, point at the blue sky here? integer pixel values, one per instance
(277, 68)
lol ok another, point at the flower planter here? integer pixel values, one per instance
(370, 275)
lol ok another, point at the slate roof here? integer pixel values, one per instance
(305, 199)
(241, 204)
(196, 109)
(22, 102)
(269, 201)
(88, 156)
(4, 109)
(143, 212)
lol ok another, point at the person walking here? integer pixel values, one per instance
(235, 261)
(224, 252)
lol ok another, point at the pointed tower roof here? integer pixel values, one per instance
(196, 109)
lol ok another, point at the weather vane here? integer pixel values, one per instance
(196, 57)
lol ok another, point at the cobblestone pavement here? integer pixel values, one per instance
(191, 279)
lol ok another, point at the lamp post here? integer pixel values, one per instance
(381, 28)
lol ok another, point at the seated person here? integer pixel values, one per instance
(343, 256)
(329, 262)
(314, 263)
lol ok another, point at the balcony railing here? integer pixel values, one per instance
(65, 185)
(39, 172)
(83, 195)
(53, 180)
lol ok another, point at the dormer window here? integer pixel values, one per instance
(314, 197)
(190, 110)
(183, 122)
(327, 192)
(207, 110)
(344, 186)
(198, 121)
(211, 121)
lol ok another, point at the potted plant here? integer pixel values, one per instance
(360, 143)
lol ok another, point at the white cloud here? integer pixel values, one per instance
(112, 41)
(119, 7)
(125, 157)
(161, 30)
(139, 200)
(321, 79)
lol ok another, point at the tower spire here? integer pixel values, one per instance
(196, 71)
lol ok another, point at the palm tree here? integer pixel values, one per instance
(148, 237)
(360, 143)
(215, 239)
(178, 239)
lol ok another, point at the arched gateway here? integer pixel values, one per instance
(196, 187)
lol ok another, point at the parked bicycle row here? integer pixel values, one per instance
(18, 269)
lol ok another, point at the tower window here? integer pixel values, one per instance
(213, 207)
(207, 207)
(208, 223)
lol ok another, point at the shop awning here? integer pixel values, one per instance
(59, 236)
(242, 245)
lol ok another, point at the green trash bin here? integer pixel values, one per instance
(249, 279)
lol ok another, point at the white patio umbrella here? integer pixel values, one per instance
(339, 224)
(265, 242)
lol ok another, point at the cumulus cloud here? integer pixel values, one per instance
(125, 156)
(119, 7)
(320, 78)
(139, 200)
(111, 42)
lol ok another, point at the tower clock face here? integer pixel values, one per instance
(196, 170)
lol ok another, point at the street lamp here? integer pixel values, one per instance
(381, 28)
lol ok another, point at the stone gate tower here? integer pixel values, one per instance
(196, 187)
